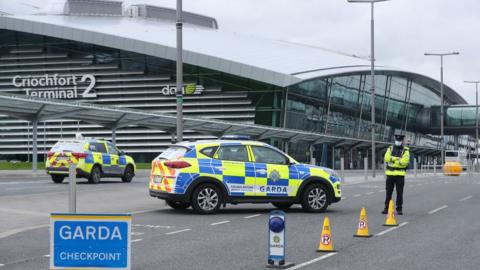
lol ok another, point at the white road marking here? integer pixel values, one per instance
(298, 266)
(370, 193)
(12, 232)
(438, 209)
(153, 226)
(221, 222)
(344, 198)
(144, 211)
(26, 182)
(180, 231)
(137, 233)
(466, 198)
(46, 256)
(391, 229)
(357, 195)
(24, 212)
(137, 240)
(1, 264)
(252, 216)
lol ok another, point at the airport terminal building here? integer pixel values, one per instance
(109, 54)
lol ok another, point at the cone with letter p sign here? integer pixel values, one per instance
(326, 240)
(362, 230)
(391, 215)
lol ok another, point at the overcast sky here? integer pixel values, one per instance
(405, 29)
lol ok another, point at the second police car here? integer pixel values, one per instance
(93, 159)
(208, 174)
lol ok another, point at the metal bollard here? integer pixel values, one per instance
(342, 169)
(415, 166)
(435, 167)
(365, 165)
(72, 175)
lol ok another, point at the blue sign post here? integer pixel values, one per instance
(276, 241)
(89, 241)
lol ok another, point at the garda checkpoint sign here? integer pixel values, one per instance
(86, 241)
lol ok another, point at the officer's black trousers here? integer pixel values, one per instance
(398, 182)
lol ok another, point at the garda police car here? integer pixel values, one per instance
(207, 174)
(93, 159)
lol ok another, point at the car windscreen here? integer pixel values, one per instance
(451, 154)
(173, 152)
(68, 146)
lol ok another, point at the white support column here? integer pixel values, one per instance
(34, 145)
(114, 135)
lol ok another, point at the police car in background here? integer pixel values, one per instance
(207, 174)
(93, 158)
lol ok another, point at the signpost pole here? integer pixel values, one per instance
(179, 92)
(72, 206)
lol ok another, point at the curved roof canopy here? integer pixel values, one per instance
(270, 61)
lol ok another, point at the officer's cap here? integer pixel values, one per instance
(399, 137)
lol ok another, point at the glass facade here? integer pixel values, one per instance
(341, 106)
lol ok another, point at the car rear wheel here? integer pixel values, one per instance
(206, 199)
(57, 178)
(178, 205)
(128, 174)
(95, 175)
(282, 205)
(315, 198)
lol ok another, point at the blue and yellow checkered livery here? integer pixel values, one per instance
(245, 178)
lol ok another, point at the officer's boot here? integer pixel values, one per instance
(399, 211)
(385, 210)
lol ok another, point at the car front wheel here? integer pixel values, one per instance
(315, 198)
(128, 174)
(206, 199)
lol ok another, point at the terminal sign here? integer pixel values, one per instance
(55, 86)
(80, 241)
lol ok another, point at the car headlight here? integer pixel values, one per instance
(334, 176)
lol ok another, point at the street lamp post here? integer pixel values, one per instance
(441, 55)
(372, 71)
(179, 91)
(476, 122)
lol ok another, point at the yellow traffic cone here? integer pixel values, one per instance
(362, 230)
(391, 215)
(326, 241)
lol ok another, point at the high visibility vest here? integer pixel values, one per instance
(397, 165)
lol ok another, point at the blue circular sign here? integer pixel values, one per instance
(276, 224)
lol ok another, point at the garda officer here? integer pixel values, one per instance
(397, 159)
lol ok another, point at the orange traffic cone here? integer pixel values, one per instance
(362, 230)
(326, 241)
(391, 215)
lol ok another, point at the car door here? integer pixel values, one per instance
(104, 157)
(273, 173)
(114, 159)
(237, 171)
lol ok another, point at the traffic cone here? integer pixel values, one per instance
(391, 215)
(362, 230)
(326, 241)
